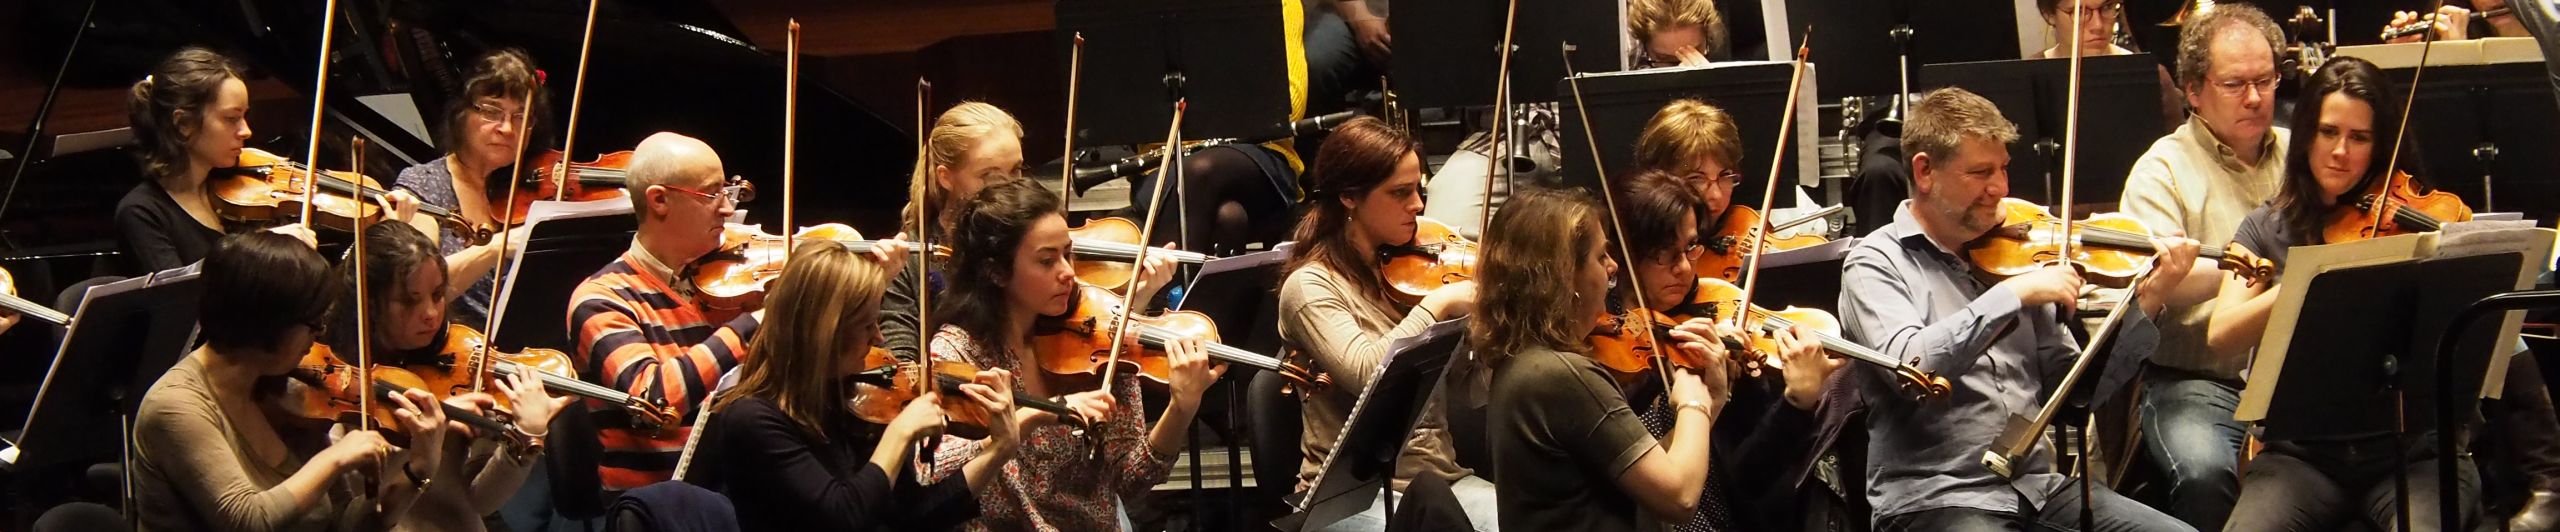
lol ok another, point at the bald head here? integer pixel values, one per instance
(673, 160)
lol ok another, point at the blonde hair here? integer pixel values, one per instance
(958, 130)
(1685, 130)
(1534, 251)
(1646, 17)
(821, 294)
(1944, 119)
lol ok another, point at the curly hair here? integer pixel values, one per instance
(2195, 39)
(984, 235)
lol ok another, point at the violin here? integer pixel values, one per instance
(733, 277)
(2112, 247)
(886, 384)
(1106, 252)
(552, 178)
(1728, 244)
(457, 367)
(1717, 300)
(10, 301)
(264, 187)
(2407, 210)
(1079, 342)
(1436, 257)
(331, 391)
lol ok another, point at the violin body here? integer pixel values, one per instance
(1436, 257)
(1108, 274)
(458, 369)
(2113, 247)
(266, 187)
(1078, 342)
(550, 175)
(896, 383)
(733, 277)
(2407, 211)
(330, 390)
(1728, 243)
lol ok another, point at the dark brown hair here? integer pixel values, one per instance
(1534, 251)
(259, 284)
(167, 107)
(2299, 200)
(391, 251)
(505, 74)
(1358, 156)
(1653, 204)
(988, 228)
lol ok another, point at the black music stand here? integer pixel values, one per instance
(561, 253)
(1807, 277)
(1239, 293)
(1454, 49)
(1754, 93)
(1140, 55)
(1854, 38)
(123, 336)
(1364, 455)
(2335, 384)
(2119, 117)
(2489, 125)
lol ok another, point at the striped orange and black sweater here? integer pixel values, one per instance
(638, 333)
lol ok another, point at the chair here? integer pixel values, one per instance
(1276, 425)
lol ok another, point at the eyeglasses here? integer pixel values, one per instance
(1689, 253)
(2233, 87)
(736, 191)
(491, 113)
(1728, 177)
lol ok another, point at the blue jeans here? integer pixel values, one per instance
(2061, 512)
(2307, 487)
(2187, 431)
(1473, 493)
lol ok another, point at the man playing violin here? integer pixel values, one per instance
(639, 328)
(1909, 290)
(2201, 179)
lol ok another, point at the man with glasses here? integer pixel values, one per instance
(642, 329)
(2201, 180)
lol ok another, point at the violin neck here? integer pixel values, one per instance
(1156, 337)
(951, 385)
(28, 308)
(1107, 250)
(563, 383)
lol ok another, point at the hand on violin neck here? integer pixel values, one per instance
(1153, 276)
(891, 254)
(1193, 372)
(2056, 284)
(1809, 368)
(2174, 257)
(401, 205)
(534, 405)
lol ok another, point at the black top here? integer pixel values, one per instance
(780, 478)
(156, 234)
(1562, 434)
(2263, 232)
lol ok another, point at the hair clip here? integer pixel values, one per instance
(540, 77)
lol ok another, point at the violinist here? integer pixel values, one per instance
(1776, 424)
(2348, 110)
(788, 452)
(1572, 454)
(1011, 266)
(405, 288)
(2200, 179)
(1909, 290)
(480, 130)
(1699, 143)
(208, 456)
(1334, 307)
(641, 330)
(191, 116)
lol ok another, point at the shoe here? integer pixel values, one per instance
(2541, 513)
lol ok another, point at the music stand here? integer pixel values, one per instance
(1365, 453)
(1141, 54)
(2336, 385)
(2119, 117)
(1753, 92)
(1854, 34)
(1456, 49)
(123, 336)
(1238, 293)
(1805, 277)
(569, 242)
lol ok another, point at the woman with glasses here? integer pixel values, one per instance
(479, 137)
(1768, 425)
(2096, 36)
(1699, 144)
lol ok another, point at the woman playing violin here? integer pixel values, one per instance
(972, 146)
(405, 289)
(1010, 266)
(2348, 108)
(206, 454)
(1334, 307)
(790, 454)
(480, 129)
(1777, 406)
(191, 116)
(1572, 453)
(1699, 143)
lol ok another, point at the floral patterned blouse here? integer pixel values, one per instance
(1078, 488)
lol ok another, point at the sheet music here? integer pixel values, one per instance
(1394, 349)
(2484, 237)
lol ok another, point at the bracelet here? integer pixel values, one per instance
(1700, 405)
